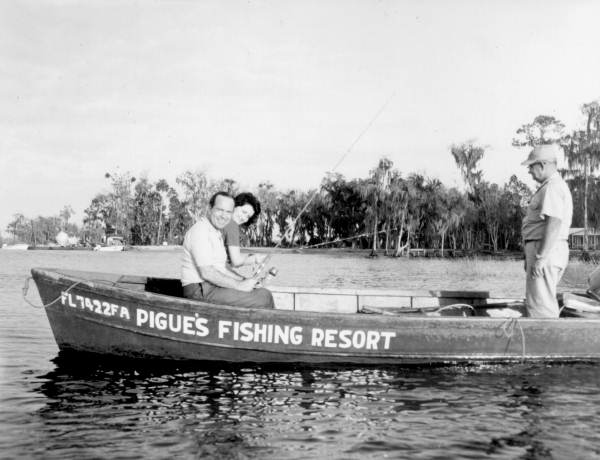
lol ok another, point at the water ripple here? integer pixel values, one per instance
(60, 407)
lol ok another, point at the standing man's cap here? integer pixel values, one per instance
(545, 152)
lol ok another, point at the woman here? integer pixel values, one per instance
(245, 213)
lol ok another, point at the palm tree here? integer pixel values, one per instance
(268, 202)
(466, 156)
(196, 192)
(416, 199)
(397, 208)
(162, 189)
(582, 150)
(65, 214)
(453, 212)
(373, 192)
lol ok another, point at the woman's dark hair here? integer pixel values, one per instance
(248, 198)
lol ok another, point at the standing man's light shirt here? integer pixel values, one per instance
(552, 199)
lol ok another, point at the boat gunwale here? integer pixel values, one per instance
(384, 292)
(122, 293)
(114, 290)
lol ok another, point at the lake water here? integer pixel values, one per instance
(57, 407)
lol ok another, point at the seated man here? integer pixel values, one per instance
(204, 273)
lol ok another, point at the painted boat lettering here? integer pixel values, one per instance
(294, 335)
(347, 338)
(260, 333)
(237, 331)
(94, 305)
(174, 322)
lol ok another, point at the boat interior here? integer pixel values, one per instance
(371, 301)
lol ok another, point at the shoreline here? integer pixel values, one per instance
(578, 254)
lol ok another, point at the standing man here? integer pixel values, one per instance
(545, 232)
(204, 272)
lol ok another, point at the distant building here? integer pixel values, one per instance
(576, 238)
(62, 238)
(65, 240)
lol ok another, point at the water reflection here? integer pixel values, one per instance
(529, 400)
(179, 409)
(268, 412)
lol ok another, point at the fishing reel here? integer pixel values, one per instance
(270, 274)
(263, 275)
(257, 270)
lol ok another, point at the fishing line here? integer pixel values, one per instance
(292, 226)
(358, 138)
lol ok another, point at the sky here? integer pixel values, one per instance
(278, 91)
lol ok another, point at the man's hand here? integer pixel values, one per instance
(259, 264)
(247, 285)
(256, 259)
(538, 267)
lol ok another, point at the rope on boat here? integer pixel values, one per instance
(25, 290)
(455, 305)
(508, 328)
(381, 311)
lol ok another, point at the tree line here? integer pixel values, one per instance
(386, 210)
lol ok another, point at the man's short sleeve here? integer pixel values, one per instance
(200, 247)
(553, 203)
(231, 234)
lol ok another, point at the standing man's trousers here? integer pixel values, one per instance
(540, 292)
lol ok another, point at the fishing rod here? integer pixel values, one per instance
(260, 267)
(358, 138)
(337, 240)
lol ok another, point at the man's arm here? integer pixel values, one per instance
(549, 238)
(219, 278)
(229, 271)
(238, 259)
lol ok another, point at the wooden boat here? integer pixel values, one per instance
(146, 317)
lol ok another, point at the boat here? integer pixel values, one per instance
(15, 247)
(113, 243)
(147, 317)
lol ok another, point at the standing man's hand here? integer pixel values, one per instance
(537, 270)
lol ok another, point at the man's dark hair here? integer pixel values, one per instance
(213, 198)
(248, 198)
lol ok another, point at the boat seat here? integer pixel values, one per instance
(580, 305)
(164, 286)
